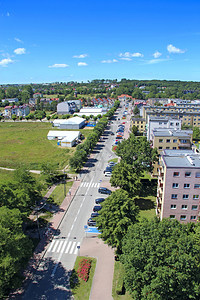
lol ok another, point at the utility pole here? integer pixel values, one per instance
(64, 184)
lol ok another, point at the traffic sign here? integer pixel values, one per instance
(92, 230)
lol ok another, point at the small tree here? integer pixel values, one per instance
(14, 117)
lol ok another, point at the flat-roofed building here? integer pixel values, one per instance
(178, 189)
(140, 123)
(71, 123)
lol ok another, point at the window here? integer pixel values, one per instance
(197, 186)
(172, 216)
(174, 196)
(176, 174)
(183, 217)
(159, 148)
(171, 124)
(174, 148)
(177, 124)
(174, 141)
(194, 207)
(193, 218)
(168, 141)
(197, 175)
(186, 185)
(175, 185)
(183, 141)
(167, 147)
(160, 140)
(187, 174)
(173, 206)
(184, 207)
(185, 196)
(195, 197)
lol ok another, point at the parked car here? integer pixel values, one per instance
(94, 214)
(112, 133)
(107, 169)
(97, 208)
(99, 200)
(112, 163)
(91, 222)
(104, 190)
(108, 174)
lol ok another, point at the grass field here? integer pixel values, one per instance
(58, 194)
(82, 289)
(6, 176)
(147, 207)
(118, 283)
(27, 143)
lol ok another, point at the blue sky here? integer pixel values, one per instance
(48, 41)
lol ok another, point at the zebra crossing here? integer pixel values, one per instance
(89, 184)
(64, 246)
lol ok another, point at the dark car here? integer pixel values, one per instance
(91, 222)
(112, 133)
(108, 169)
(97, 208)
(94, 214)
(104, 190)
(99, 200)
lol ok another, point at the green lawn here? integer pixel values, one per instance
(147, 206)
(82, 290)
(118, 283)
(5, 176)
(58, 194)
(27, 143)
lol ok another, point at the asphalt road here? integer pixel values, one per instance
(51, 280)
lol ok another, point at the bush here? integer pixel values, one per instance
(84, 269)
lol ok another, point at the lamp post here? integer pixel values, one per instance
(64, 184)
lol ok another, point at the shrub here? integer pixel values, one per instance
(84, 269)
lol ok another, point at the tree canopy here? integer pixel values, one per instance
(117, 214)
(161, 260)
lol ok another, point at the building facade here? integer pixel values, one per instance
(178, 189)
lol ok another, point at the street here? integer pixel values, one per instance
(51, 279)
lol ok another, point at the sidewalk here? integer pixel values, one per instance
(103, 276)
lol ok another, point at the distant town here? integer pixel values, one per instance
(118, 161)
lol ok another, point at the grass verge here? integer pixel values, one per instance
(118, 291)
(58, 194)
(147, 206)
(81, 290)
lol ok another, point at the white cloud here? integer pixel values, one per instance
(128, 54)
(157, 54)
(126, 58)
(109, 61)
(20, 51)
(173, 49)
(7, 14)
(59, 66)
(82, 64)
(156, 61)
(4, 62)
(18, 40)
(80, 56)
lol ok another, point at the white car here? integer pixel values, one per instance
(108, 174)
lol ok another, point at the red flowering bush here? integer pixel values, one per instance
(114, 148)
(84, 269)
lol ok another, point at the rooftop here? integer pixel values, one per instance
(171, 132)
(187, 159)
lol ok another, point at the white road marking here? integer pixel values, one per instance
(69, 245)
(55, 246)
(64, 245)
(51, 246)
(72, 248)
(60, 245)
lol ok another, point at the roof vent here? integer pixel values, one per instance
(190, 159)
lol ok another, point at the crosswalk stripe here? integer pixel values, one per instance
(69, 245)
(81, 184)
(72, 248)
(55, 246)
(59, 247)
(89, 184)
(64, 245)
(76, 250)
(51, 246)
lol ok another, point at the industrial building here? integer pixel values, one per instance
(66, 138)
(72, 123)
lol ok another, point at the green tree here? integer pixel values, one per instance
(196, 133)
(50, 173)
(15, 249)
(125, 177)
(136, 110)
(117, 214)
(12, 92)
(14, 117)
(161, 260)
(134, 129)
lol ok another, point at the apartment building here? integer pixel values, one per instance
(189, 115)
(139, 123)
(160, 122)
(170, 139)
(178, 189)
